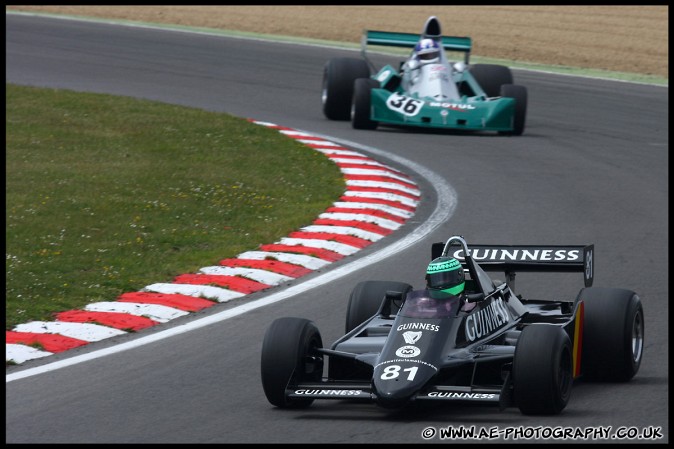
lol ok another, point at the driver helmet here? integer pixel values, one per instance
(446, 274)
(427, 51)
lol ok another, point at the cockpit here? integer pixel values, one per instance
(430, 304)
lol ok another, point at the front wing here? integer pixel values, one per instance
(393, 108)
(364, 392)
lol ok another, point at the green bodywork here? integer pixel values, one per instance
(473, 111)
(391, 105)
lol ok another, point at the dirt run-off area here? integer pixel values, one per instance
(632, 39)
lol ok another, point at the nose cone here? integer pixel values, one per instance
(393, 394)
(396, 385)
(432, 28)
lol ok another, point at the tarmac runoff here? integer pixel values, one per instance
(378, 200)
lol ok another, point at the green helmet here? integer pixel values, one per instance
(446, 274)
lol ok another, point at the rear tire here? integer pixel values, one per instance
(339, 75)
(491, 77)
(289, 356)
(519, 93)
(366, 298)
(360, 108)
(613, 334)
(542, 370)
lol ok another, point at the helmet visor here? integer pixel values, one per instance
(443, 280)
(428, 56)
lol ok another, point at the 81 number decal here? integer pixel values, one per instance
(404, 105)
(393, 371)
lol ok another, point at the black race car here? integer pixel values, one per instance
(488, 346)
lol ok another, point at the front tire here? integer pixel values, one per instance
(360, 107)
(519, 93)
(289, 356)
(613, 334)
(366, 298)
(339, 75)
(542, 370)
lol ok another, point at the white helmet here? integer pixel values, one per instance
(427, 51)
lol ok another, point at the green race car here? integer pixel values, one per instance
(427, 90)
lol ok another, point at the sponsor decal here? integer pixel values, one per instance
(330, 392)
(486, 319)
(420, 362)
(383, 75)
(522, 255)
(453, 395)
(412, 337)
(392, 372)
(418, 326)
(408, 351)
(438, 76)
(452, 106)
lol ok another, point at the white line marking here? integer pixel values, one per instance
(374, 172)
(388, 185)
(342, 152)
(155, 312)
(383, 196)
(81, 331)
(262, 276)
(340, 248)
(344, 160)
(198, 291)
(402, 213)
(344, 230)
(312, 263)
(22, 353)
(365, 218)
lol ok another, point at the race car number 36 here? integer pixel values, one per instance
(404, 105)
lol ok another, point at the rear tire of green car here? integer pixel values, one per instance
(491, 77)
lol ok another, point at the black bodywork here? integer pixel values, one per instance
(415, 346)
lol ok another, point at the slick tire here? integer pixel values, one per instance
(289, 357)
(613, 334)
(542, 370)
(491, 77)
(519, 93)
(360, 107)
(339, 75)
(367, 297)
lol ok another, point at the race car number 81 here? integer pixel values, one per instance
(404, 105)
(393, 371)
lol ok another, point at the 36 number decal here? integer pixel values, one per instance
(393, 371)
(404, 105)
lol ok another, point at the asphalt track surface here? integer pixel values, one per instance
(592, 167)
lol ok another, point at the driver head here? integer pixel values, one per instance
(445, 274)
(427, 51)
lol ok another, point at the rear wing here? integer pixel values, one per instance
(391, 39)
(527, 258)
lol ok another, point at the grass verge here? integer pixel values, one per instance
(107, 194)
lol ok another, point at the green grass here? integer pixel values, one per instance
(106, 194)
